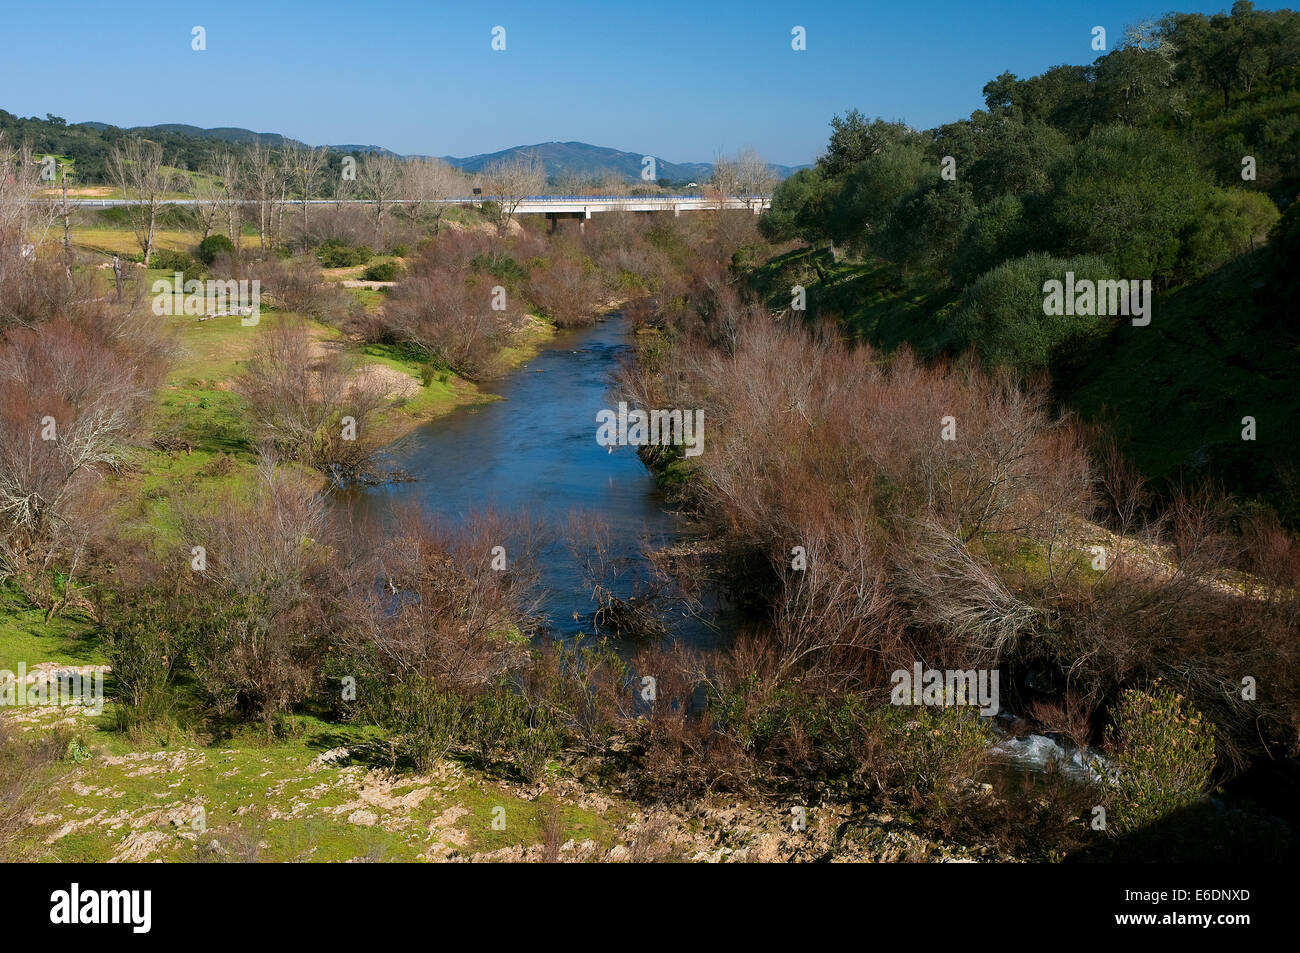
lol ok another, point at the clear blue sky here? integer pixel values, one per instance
(680, 80)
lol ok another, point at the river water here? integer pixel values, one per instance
(535, 450)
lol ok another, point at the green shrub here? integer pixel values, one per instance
(1001, 314)
(502, 267)
(506, 729)
(800, 206)
(924, 230)
(755, 712)
(1234, 221)
(995, 233)
(169, 260)
(425, 719)
(384, 271)
(334, 253)
(1130, 196)
(143, 640)
(928, 753)
(212, 246)
(1163, 756)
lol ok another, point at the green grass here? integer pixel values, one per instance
(872, 301)
(259, 796)
(25, 636)
(1175, 392)
(256, 793)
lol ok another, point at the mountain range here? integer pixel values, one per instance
(560, 159)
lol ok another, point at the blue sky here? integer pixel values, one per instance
(681, 80)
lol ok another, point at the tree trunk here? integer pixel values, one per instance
(148, 242)
(67, 229)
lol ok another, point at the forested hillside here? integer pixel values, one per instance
(1170, 159)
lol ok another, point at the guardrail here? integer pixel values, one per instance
(461, 200)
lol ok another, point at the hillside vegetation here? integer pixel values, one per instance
(1165, 161)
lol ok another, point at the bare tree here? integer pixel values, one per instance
(755, 177)
(305, 164)
(426, 185)
(725, 179)
(262, 181)
(66, 211)
(509, 181)
(343, 186)
(381, 182)
(137, 167)
(225, 168)
(284, 167)
(20, 192)
(315, 408)
(742, 175)
(209, 193)
(263, 591)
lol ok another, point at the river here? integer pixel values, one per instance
(535, 450)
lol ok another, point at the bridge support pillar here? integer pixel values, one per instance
(555, 218)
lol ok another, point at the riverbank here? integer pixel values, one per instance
(197, 788)
(313, 798)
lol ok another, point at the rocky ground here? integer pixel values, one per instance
(301, 800)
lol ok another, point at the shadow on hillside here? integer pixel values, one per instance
(1259, 825)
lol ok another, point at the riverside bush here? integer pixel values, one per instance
(1163, 757)
(425, 719)
(930, 753)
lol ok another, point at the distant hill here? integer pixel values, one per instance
(357, 149)
(190, 145)
(223, 133)
(560, 159)
(581, 158)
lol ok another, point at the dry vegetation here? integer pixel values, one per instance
(971, 552)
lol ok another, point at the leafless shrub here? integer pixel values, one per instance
(451, 310)
(25, 215)
(26, 783)
(296, 285)
(262, 593)
(551, 822)
(72, 398)
(425, 599)
(1071, 716)
(570, 293)
(309, 401)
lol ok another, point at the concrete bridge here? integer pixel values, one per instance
(554, 207)
(581, 207)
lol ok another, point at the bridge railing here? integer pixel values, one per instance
(462, 200)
